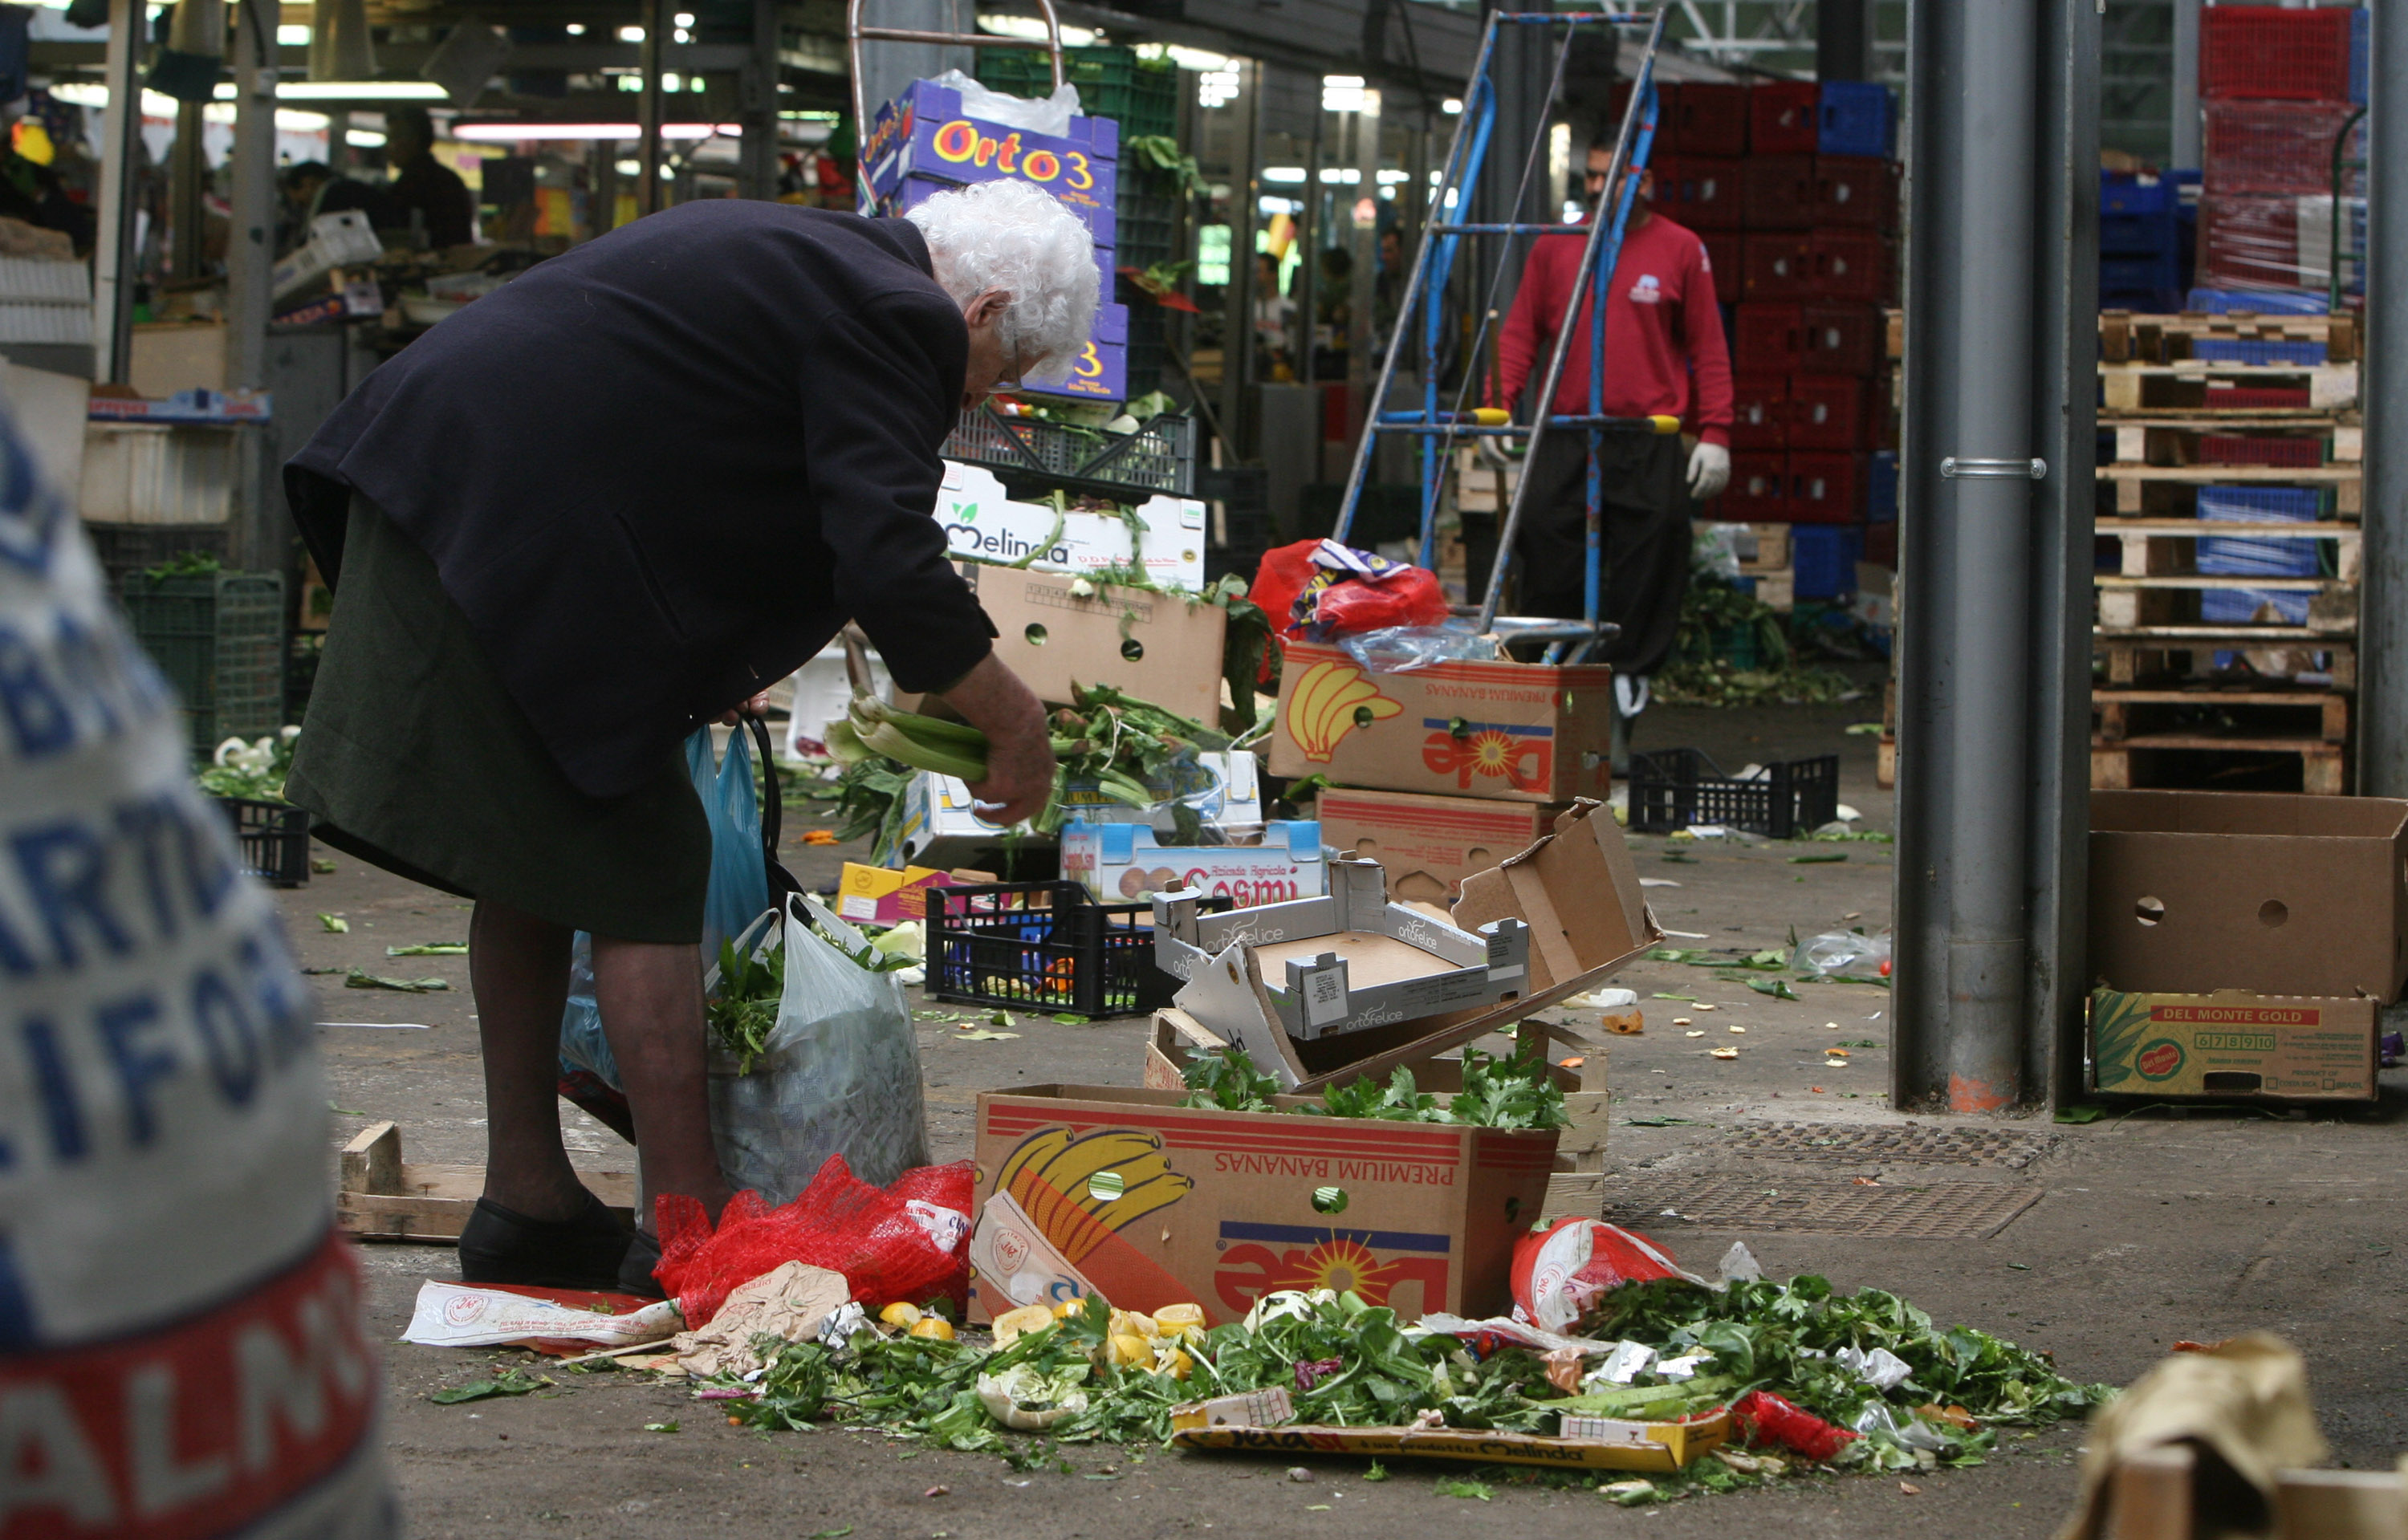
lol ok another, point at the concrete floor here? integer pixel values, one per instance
(2147, 1229)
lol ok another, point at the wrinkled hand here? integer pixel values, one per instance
(757, 707)
(1709, 471)
(1020, 754)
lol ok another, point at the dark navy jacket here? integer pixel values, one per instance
(660, 471)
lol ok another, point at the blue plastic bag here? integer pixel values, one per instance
(739, 892)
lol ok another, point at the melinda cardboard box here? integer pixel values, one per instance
(2194, 891)
(1429, 845)
(1521, 732)
(1158, 646)
(2233, 1043)
(983, 524)
(1123, 1193)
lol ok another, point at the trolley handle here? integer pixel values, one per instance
(855, 35)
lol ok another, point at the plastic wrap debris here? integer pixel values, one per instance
(839, 1327)
(1843, 953)
(1047, 115)
(1685, 1367)
(1021, 1397)
(792, 1302)
(1627, 1363)
(1400, 649)
(456, 1315)
(1877, 1419)
(1557, 1272)
(1764, 1419)
(1881, 1368)
(1739, 1265)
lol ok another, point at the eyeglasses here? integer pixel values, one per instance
(1009, 380)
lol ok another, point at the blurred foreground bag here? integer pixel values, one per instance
(181, 1353)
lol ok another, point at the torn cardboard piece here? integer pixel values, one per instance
(2234, 1044)
(1427, 843)
(1611, 1445)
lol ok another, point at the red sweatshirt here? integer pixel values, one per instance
(1660, 324)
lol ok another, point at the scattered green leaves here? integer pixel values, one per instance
(510, 1382)
(1819, 857)
(333, 924)
(1454, 1486)
(662, 1428)
(432, 948)
(360, 978)
(1777, 988)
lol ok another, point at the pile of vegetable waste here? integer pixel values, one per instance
(1515, 1092)
(1865, 1380)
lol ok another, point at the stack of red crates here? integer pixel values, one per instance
(1806, 245)
(2276, 86)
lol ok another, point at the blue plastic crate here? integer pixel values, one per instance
(2239, 605)
(2261, 302)
(2129, 274)
(2359, 45)
(2137, 234)
(2246, 556)
(2257, 350)
(2136, 192)
(2291, 503)
(1857, 118)
(2147, 302)
(1823, 559)
(1881, 488)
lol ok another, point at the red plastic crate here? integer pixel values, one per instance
(1706, 119)
(1839, 339)
(1726, 257)
(1827, 412)
(1778, 265)
(2256, 398)
(2252, 243)
(1700, 192)
(1855, 192)
(1851, 265)
(1780, 191)
(1826, 487)
(2274, 53)
(2275, 147)
(1781, 118)
(1758, 493)
(1768, 339)
(1759, 412)
(2246, 450)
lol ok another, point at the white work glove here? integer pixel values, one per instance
(1709, 470)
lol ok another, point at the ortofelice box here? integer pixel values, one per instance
(1523, 732)
(1123, 1193)
(2233, 1043)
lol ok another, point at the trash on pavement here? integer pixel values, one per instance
(459, 1315)
(1836, 954)
(792, 1302)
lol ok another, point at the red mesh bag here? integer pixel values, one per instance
(909, 1241)
(1767, 1420)
(1406, 596)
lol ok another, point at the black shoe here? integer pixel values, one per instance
(636, 1268)
(498, 1245)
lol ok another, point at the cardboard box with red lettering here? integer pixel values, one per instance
(1124, 1193)
(2234, 1044)
(1521, 732)
(1125, 863)
(1429, 845)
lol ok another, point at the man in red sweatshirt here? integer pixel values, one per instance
(1664, 356)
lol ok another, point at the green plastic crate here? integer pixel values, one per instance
(1113, 82)
(220, 640)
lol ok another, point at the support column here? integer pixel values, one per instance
(648, 105)
(261, 539)
(2186, 153)
(2383, 628)
(2000, 361)
(757, 172)
(188, 174)
(113, 259)
(1245, 213)
(1844, 39)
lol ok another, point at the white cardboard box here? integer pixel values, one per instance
(982, 524)
(1121, 863)
(940, 826)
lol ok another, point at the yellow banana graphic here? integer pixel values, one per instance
(1031, 1155)
(1322, 708)
(1105, 1150)
(1143, 1199)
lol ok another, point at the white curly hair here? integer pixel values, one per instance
(1009, 237)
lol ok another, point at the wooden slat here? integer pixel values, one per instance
(2196, 529)
(2332, 476)
(2206, 580)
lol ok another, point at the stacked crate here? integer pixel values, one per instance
(2139, 242)
(1795, 191)
(2277, 87)
(2229, 496)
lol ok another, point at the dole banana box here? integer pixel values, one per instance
(1522, 731)
(2234, 1044)
(1124, 1193)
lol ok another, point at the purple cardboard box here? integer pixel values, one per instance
(916, 190)
(1101, 372)
(923, 135)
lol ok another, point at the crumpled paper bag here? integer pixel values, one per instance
(2243, 1402)
(788, 1303)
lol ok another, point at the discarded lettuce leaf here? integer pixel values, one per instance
(431, 949)
(335, 924)
(359, 978)
(510, 1382)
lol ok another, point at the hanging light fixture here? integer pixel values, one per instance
(188, 67)
(340, 48)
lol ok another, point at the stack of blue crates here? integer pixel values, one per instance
(2240, 556)
(1857, 118)
(2139, 248)
(1823, 559)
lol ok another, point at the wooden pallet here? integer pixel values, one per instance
(2158, 603)
(2154, 548)
(2117, 709)
(2182, 387)
(2133, 483)
(2158, 1495)
(2126, 336)
(2160, 438)
(379, 1199)
(2139, 654)
(2131, 763)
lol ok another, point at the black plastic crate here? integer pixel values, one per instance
(1045, 947)
(275, 839)
(1678, 787)
(1149, 350)
(1159, 457)
(219, 638)
(1145, 218)
(124, 548)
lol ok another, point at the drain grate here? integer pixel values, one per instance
(1930, 1211)
(1914, 1143)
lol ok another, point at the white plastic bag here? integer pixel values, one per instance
(1047, 115)
(840, 1074)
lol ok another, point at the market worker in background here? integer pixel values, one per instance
(425, 192)
(1664, 356)
(599, 508)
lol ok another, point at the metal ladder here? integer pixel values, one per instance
(1439, 429)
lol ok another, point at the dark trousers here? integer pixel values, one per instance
(1644, 516)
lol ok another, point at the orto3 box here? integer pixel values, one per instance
(925, 133)
(1528, 731)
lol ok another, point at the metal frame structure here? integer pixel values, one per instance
(2383, 596)
(1439, 429)
(855, 35)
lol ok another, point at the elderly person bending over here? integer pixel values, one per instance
(606, 505)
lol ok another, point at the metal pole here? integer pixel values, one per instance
(1363, 248)
(1308, 241)
(649, 107)
(251, 241)
(1844, 39)
(1962, 916)
(2186, 152)
(1245, 209)
(758, 160)
(2383, 627)
(188, 169)
(113, 261)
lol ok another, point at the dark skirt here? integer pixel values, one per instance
(414, 757)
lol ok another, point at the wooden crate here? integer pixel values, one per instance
(2150, 761)
(2182, 387)
(2124, 336)
(2156, 1495)
(380, 1199)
